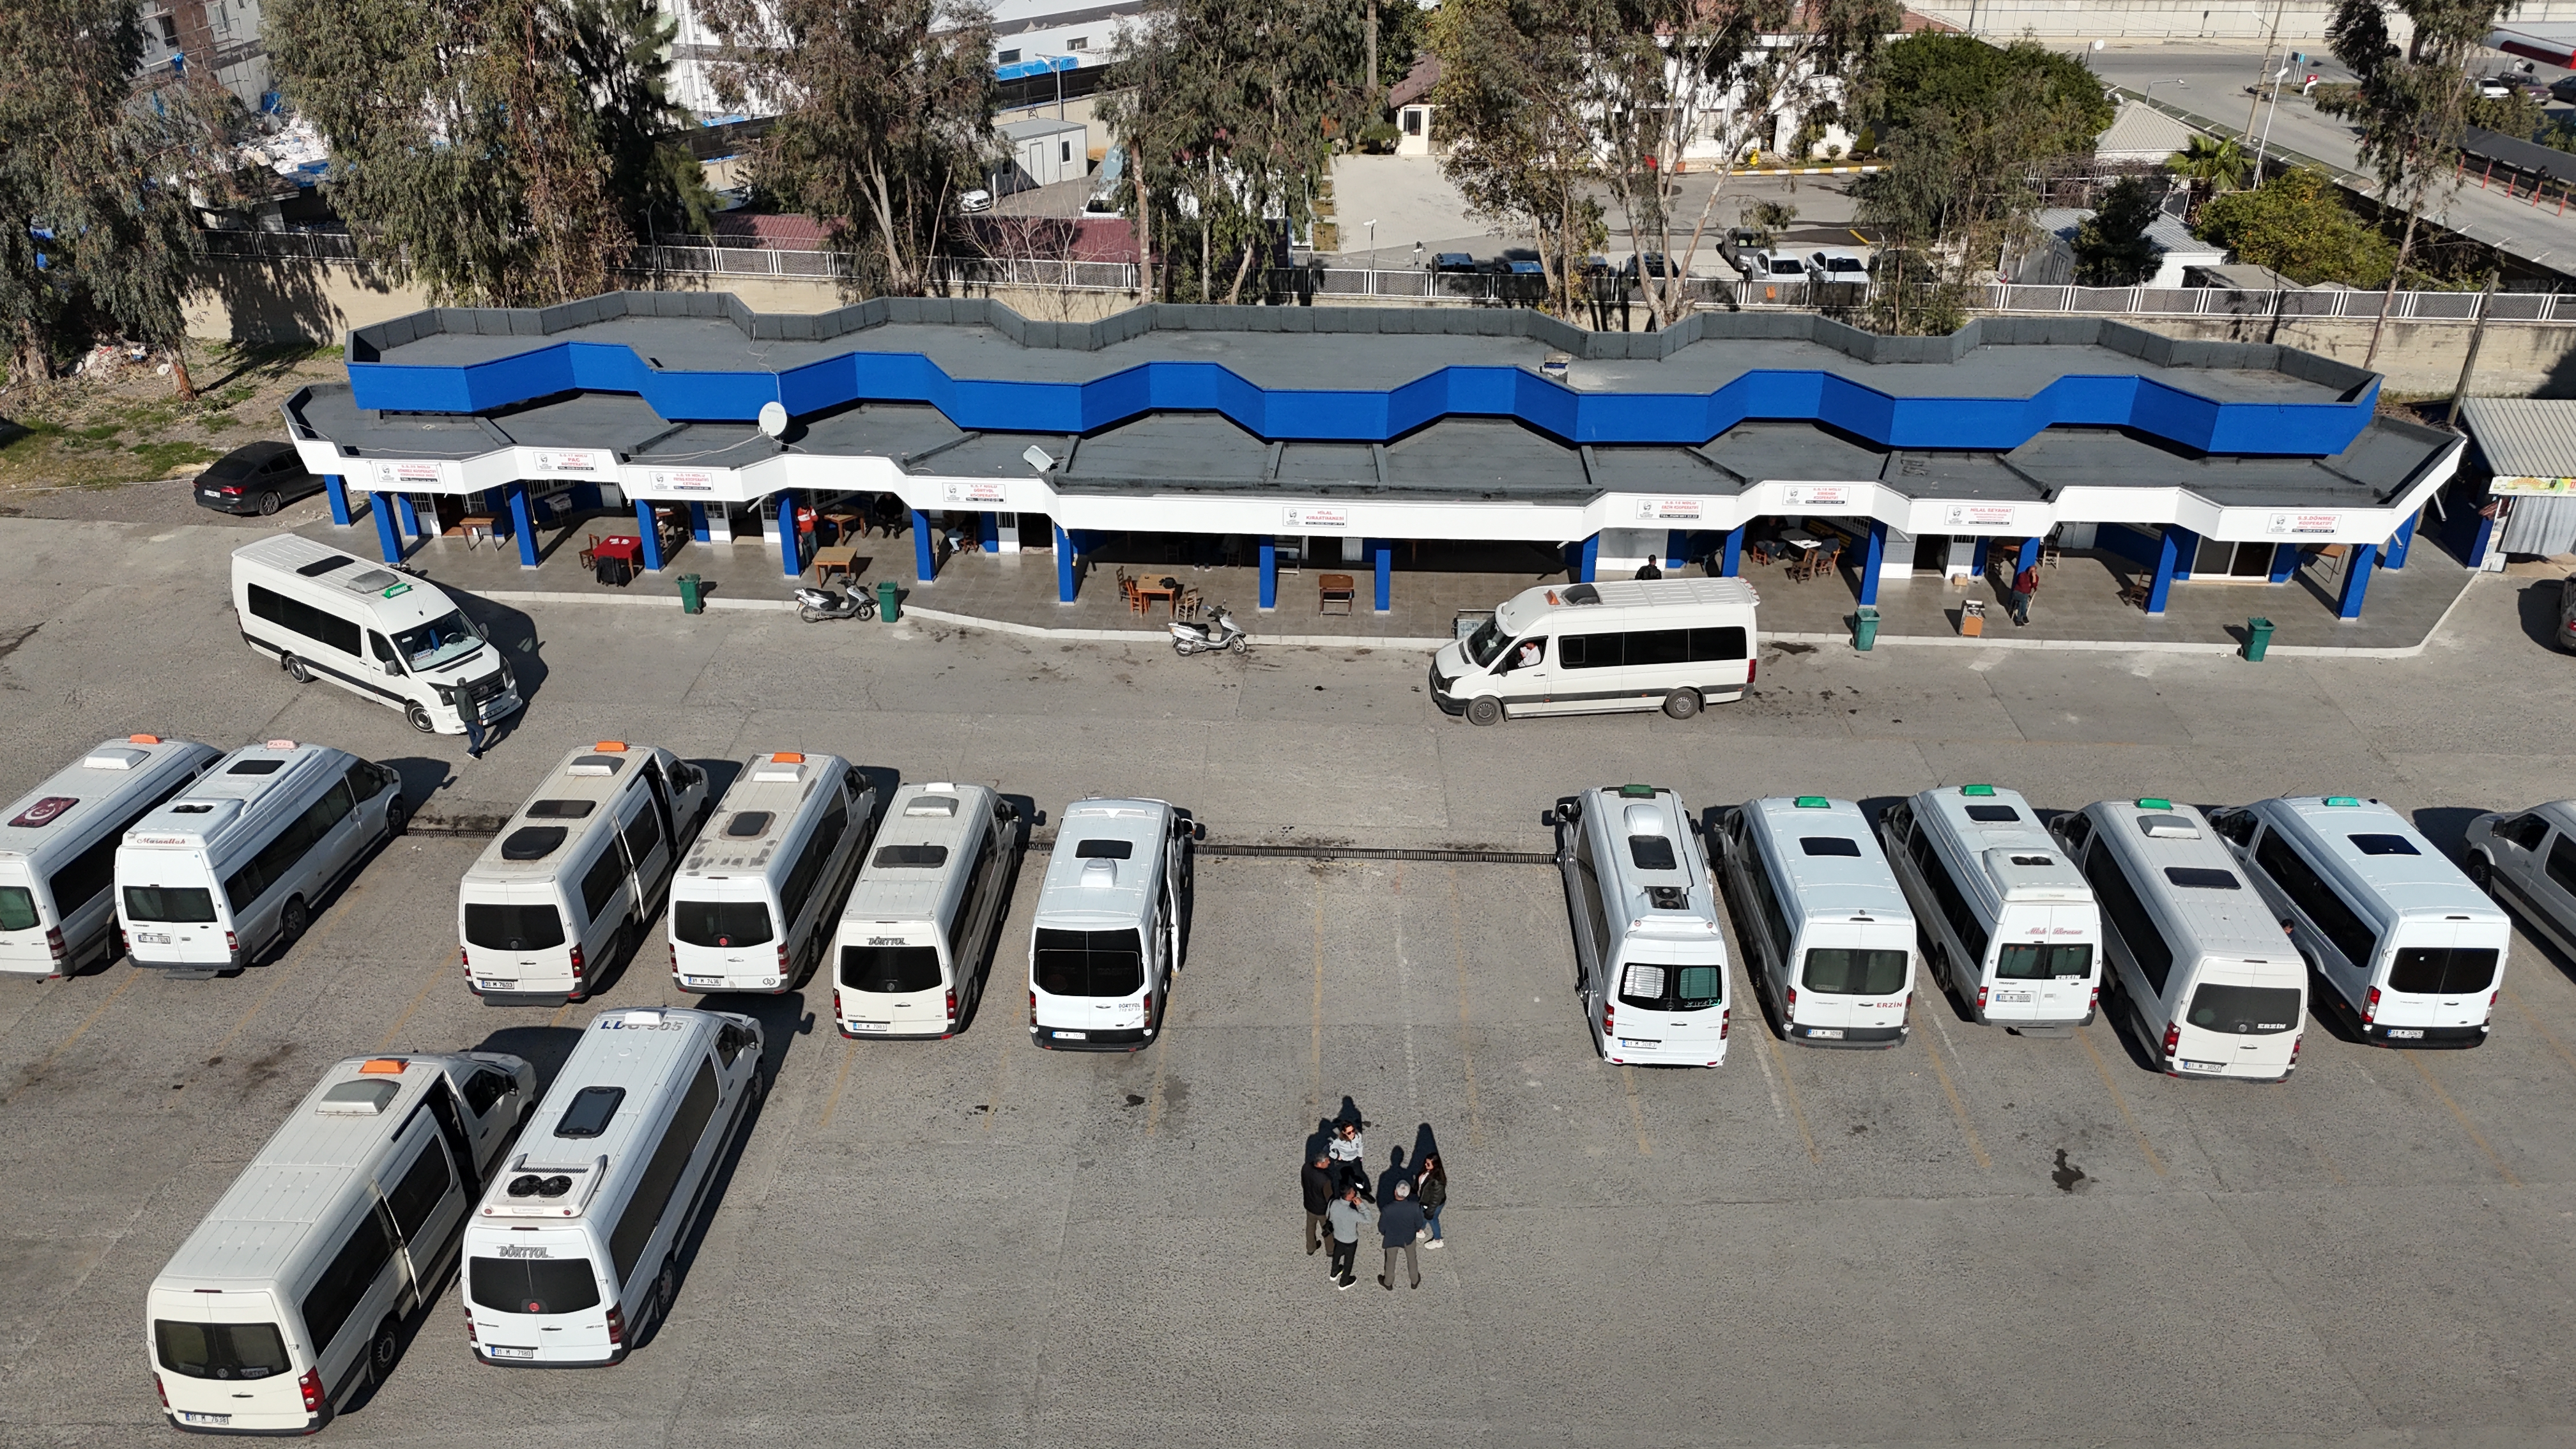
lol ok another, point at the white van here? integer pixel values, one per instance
(58, 851)
(229, 870)
(1108, 932)
(2012, 924)
(915, 944)
(1649, 954)
(577, 874)
(2198, 965)
(1827, 925)
(753, 906)
(2527, 859)
(575, 1250)
(291, 1293)
(393, 637)
(2412, 952)
(1669, 644)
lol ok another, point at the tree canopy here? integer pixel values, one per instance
(1958, 77)
(2298, 225)
(2111, 246)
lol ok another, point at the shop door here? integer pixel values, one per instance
(1931, 553)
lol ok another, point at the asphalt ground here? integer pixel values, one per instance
(1975, 1238)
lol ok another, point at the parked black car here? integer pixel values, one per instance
(259, 478)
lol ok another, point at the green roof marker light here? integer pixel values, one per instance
(2152, 803)
(1636, 792)
(2344, 802)
(1814, 802)
(1976, 789)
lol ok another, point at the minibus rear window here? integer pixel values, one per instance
(2245, 1010)
(2442, 970)
(532, 1285)
(1841, 972)
(890, 968)
(17, 908)
(720, 923)
(187, 905)
(1671, 988)
(1090, 963)
(512, 928)
(220, 1350)
(2031, 961)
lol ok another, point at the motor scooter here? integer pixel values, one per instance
(815, 606)
(1217, 631)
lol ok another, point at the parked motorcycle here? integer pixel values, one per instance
(1217, 631)
(814, 606)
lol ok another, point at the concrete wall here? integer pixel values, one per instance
(2516, 360)
(2175, 19)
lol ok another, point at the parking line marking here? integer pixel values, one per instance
(1458, 939)
(1796, 1112)
(840, 1079)
(1315, 1044)
(132, 975)
(2416, 1060)
(1001, 1072)
(2546, 1034)
(1636, 1114)
(386, 1044)
(1154, 1092)
(1958, 1108)
(2144, 1146)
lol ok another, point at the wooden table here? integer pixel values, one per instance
(1168, 590)
(1331, 589)
(842, 559)
(478, 525)
(625, 546)
(1800, 539)
(846, 524)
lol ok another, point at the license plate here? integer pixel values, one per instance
(1072, 1036)
(2016, 996)
(1630, 1041)
(503, 1350)
(1826, 1033)
(2191, 1066)
(157, 938)
(703, 980)
(870, 1025)
(189, 1417)
(2406, 1033)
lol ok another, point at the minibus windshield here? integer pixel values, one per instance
(2440, 970)
(1855, 973)
(2030, 961)
(438, 641)
(720, 923)
(890, 968)
(1090, 963)
(1486, 644)
(512, 928)
(220, 1350)
(17, 908)
(532, 1285)
(2245, 1010)
(186, 905)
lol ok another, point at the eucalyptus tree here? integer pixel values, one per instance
(1514, 136)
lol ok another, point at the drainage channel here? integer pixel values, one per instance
(1327, 850)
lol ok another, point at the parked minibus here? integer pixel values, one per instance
(1628, 644)
(1107, 937)
(2198, 964)
(58, 851)
(392, 637)
(230, 869)
(1649, 951)
(577, 874)
(1826, 926)
(2411, 952)
(293, 1291)
(2012, 924)
(2527, 859)
(575, 1250)
(915, 943)
(756, 898)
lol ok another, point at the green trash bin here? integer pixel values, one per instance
(1865, 629)
(889, 605)
(2258, 637)
(693, 598)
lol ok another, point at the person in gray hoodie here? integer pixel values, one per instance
(1347, 1215)
(1398, 1224)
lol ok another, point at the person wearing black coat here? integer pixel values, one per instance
(1317, 1180)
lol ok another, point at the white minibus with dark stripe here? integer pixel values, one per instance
(1107, 937)
(577, 874)
(2198, 965)
(292, 1293)
(2011, 921)
(1668, 644)
(2411, 952)
(916, 940)
(58, 851)
(1649, 951)
(1825, 925)
(757, 896)
(391, 637)
(575, 1251)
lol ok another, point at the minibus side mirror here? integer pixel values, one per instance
(390, 666)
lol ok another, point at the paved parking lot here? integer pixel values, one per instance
(1973, 1239)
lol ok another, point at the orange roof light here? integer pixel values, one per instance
(383, 1067)
(610, 747)
(787, 757)
(143, 739)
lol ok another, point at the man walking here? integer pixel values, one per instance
(2024, 584)
(1347, 1215)
(1398, 1224)
(1316, 1178)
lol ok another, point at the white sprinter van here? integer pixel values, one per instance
(291, 1294)
(1828, 927)
(2410, 951)
(574, 1253)
(2198, 965)
(577, 874)
(914, 950)
(1108, 932)
(230, 869)
(58, 851)
(1649, 952)
(392, 637)
(756, 898)
(1668, 644)
(2012, 924)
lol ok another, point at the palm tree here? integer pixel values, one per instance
(2212, 165)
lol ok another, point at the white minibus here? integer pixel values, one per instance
(1826, 924)
(2527, 858)
(577, 875)
(2013, 929)
(753, 906)
(2411, 952)
(393, 637)
(58, 851)
(1107, 937)
(291, 1294)
(1649, 953)
(575, 1251)
(915, 943)
(230, 869)
(1668, 644)
(2198, 965)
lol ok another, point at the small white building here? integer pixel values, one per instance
(2052, 262)
(1041, 152)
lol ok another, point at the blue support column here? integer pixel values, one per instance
(1873, 558)
(2186, 549)
(2167, 546)
(2029, 558)
(1382, 554)
(698, 523)
(988, 531)
(410, 516)
(1734, 556)
(925, 552)
(2357, 567)
(649, 529)
(1676, 548)
(1587, 559)
(338, 488)
(2482, 540)
(1064, 574)
(523, 525)
(387, 534)
(2285, 562)
(791, 543)
(1269, 573)
(1985, 551)
(2399, 542)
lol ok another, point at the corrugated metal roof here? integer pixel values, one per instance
(2524, 437)
(2141, 130)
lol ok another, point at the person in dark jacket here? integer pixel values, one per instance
(1316, 1178)
(1432, 1192)
(1399, 1223)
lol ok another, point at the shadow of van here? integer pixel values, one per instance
(514, 634)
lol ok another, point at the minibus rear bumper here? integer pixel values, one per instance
(488, 1361)
(2453, 1038)
(313, 1424)
(523, 998)
(187, 970)
(1084, 1039)
(682, 983)
(1846, 1036)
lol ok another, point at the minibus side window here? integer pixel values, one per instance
(1945, 894)
(2079, 830)
(79, 881)
(808, 871)
(662, 1175)
(2128, 916)
(2562, 862)
(1710, 645)
(2310, 893)
(643, 835)
(2525, 831)
(978, 880)
(1595, 918)
(383, 648)
(599, 883)
(1766, 903)
(420, 1191)
(280, 856)
(304, 619)
(2237, 825)
(336, 1294)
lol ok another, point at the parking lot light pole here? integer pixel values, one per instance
(1058, 72)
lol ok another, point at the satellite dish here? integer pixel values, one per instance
(1038, 458)
(773, 419)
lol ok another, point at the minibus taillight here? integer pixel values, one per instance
(1725, 1016)
(782, 958)
(2173, 1038)
(1033, 1008)
(1981, 1001)
(576, 960)
(1793, 1002)
(2491, 1001)
(952, 1006)
(158, 1389)
(54, 944)
(2295, 1043)
(470, 1335)
(616, 1327)
(1751, 667)
(2370, 1005)
(232, 943)
(311, 1384)
(1609, 1019)
(465, 959)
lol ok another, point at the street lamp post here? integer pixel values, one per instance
(1371, 224)
(1054, 70)
(2151, 88)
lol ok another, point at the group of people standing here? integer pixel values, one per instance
(1341, 1202)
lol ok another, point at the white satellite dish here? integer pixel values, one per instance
(773, 419)
(1038, 458)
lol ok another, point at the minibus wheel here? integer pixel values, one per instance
(292, 922)
(415, 715)
(2481, 873)
(296, 671)
(381, 1351)
(397, 817)
(1484, 709)
(1682, 703)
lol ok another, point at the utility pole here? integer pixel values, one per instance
(1372, 55)
(2468, 364)
(2266, 74)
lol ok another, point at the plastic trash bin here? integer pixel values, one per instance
(2258, 637)
(889, 607)
(1865, 628)
(693, 599)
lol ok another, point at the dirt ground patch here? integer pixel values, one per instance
(126, 426)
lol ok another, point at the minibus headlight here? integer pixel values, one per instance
(446, 694)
